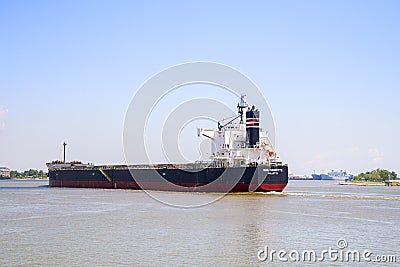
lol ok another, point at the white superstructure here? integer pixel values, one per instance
(240, 143)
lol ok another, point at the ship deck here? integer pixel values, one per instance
(186, 166)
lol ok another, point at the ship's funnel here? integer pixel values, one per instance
(253, 126)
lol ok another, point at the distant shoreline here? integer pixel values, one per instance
(29, 178)
(364, 183)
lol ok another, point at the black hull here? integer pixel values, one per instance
(211, 179)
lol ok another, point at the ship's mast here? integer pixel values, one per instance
(241, 106)
(64, 145)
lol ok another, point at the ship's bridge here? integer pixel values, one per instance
(240, 143)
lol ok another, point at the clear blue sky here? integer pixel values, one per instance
(329, 70)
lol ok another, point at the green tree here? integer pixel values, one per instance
(31, 173)
(14, 174)
(377, 175)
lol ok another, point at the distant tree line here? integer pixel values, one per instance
(27, 174)
(377, 175)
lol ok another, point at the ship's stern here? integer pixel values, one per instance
(275, 178)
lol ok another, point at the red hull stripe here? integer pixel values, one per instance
(252, 119)
(252, 124)
(185, 187)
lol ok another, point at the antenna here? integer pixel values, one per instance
(65, 144)
(241, 106)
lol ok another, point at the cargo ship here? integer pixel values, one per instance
(243, 160)
(333, 175)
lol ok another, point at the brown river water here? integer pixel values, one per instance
(43, 226)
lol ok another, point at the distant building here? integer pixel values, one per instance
(4, 172)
